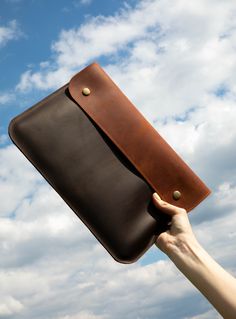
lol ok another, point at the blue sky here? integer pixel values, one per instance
(176, 61)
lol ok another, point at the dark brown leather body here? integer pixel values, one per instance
(89, 172)
(105, 160)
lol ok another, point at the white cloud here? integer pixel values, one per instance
(172, 66)
(98, 34)
(83, 315)
(160, 56)
(6, 98)
(13, 186)
(211, 314)
(9, 306)
(9, 32)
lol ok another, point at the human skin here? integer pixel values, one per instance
(181, 246)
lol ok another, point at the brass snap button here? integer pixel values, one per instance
(86, 91)
(176, 195)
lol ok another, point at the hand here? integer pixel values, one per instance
(180, 231)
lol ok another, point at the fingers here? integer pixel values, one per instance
(166, 207)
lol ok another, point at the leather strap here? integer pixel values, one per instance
(122, 122)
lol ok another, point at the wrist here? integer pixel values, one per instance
(186, 250)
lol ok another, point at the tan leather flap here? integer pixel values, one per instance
(124, 124)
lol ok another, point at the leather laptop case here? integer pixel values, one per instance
(105, 160)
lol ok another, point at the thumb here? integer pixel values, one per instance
(166, 207)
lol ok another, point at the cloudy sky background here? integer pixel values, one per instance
(176, 61)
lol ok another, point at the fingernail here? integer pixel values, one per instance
(157, 197)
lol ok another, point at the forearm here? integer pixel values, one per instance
(217, 285)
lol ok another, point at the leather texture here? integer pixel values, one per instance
(105, 160)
